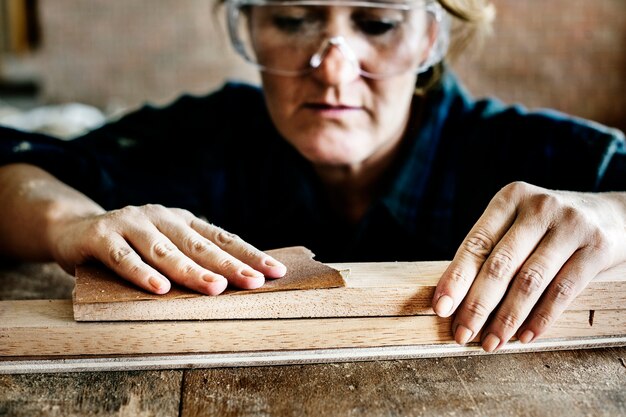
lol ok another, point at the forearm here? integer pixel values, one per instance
(33, 204)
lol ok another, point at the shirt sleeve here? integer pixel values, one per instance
(546, 148)
(69, 163)
(147, 156)
(612, 176)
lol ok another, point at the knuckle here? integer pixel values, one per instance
(514, 189)
(601, 241)
(573, 217)
(197, 223)
(185, 214)
(162, 249)
(519, 186)
(479, 243)
(457, 277)
(154, 208)
(128, 211)
(499, 265)
(134, 270)
(226, 264)
(563, 290)
(187, 268)
(544, 202)
(477, 309)
(542, 319)
(225, 238)
(530, 280)
(250, 252)
(149, 207)
(99, 228)
(119, 254)
(508, 321)
(196, 246)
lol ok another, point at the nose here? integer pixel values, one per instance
(335, 63)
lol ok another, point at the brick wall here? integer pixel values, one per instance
(122, 53)
(565, 54)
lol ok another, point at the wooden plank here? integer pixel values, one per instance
(292, 357)
(94, 394)
(579, 383)
(372, 289)
(46, 328)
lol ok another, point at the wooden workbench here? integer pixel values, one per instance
(583, 382)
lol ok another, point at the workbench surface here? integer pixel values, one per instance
(571, 383)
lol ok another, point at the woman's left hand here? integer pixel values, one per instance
(529, 255)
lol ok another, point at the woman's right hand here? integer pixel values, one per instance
(151, 245)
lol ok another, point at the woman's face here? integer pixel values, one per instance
(333, 115)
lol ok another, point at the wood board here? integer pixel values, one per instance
(371, 289)
(98, 363)
(47, 328)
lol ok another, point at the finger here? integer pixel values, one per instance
(157, 250)
(526, 288)
(208, 255)
(469, 258)
(494, 277)
(240, 249)
(581, 268)
(117, 254)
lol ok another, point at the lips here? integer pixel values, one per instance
(329, 106)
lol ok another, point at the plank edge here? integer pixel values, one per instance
(295, 357)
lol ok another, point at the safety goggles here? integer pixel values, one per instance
(380, 38)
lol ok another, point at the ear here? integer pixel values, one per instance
(429, 40)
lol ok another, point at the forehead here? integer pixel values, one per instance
(354, 3)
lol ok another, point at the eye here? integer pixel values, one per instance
(376, 26)
(288, 24)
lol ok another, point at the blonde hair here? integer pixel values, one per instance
(472, 22)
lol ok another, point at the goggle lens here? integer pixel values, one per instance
(384, 38)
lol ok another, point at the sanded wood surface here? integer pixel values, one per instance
(371, 289)
(36, 328)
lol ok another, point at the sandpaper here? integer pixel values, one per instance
(97, 284)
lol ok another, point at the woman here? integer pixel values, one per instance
(340, 152)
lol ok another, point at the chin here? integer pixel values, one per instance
(335, 152)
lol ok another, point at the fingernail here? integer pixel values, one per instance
(272, 263)
(491, 342)
(251, 273)
(156, 283)
(527, 336)
(462, 335)
(444, 306)
(212, 278)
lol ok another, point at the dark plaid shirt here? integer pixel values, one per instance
(220, 157)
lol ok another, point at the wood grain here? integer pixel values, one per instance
(125, 394)
(371, 289)
(552, 384)
(35, 328)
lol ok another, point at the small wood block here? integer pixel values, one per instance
(97, 287)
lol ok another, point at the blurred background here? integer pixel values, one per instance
(114, 55)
